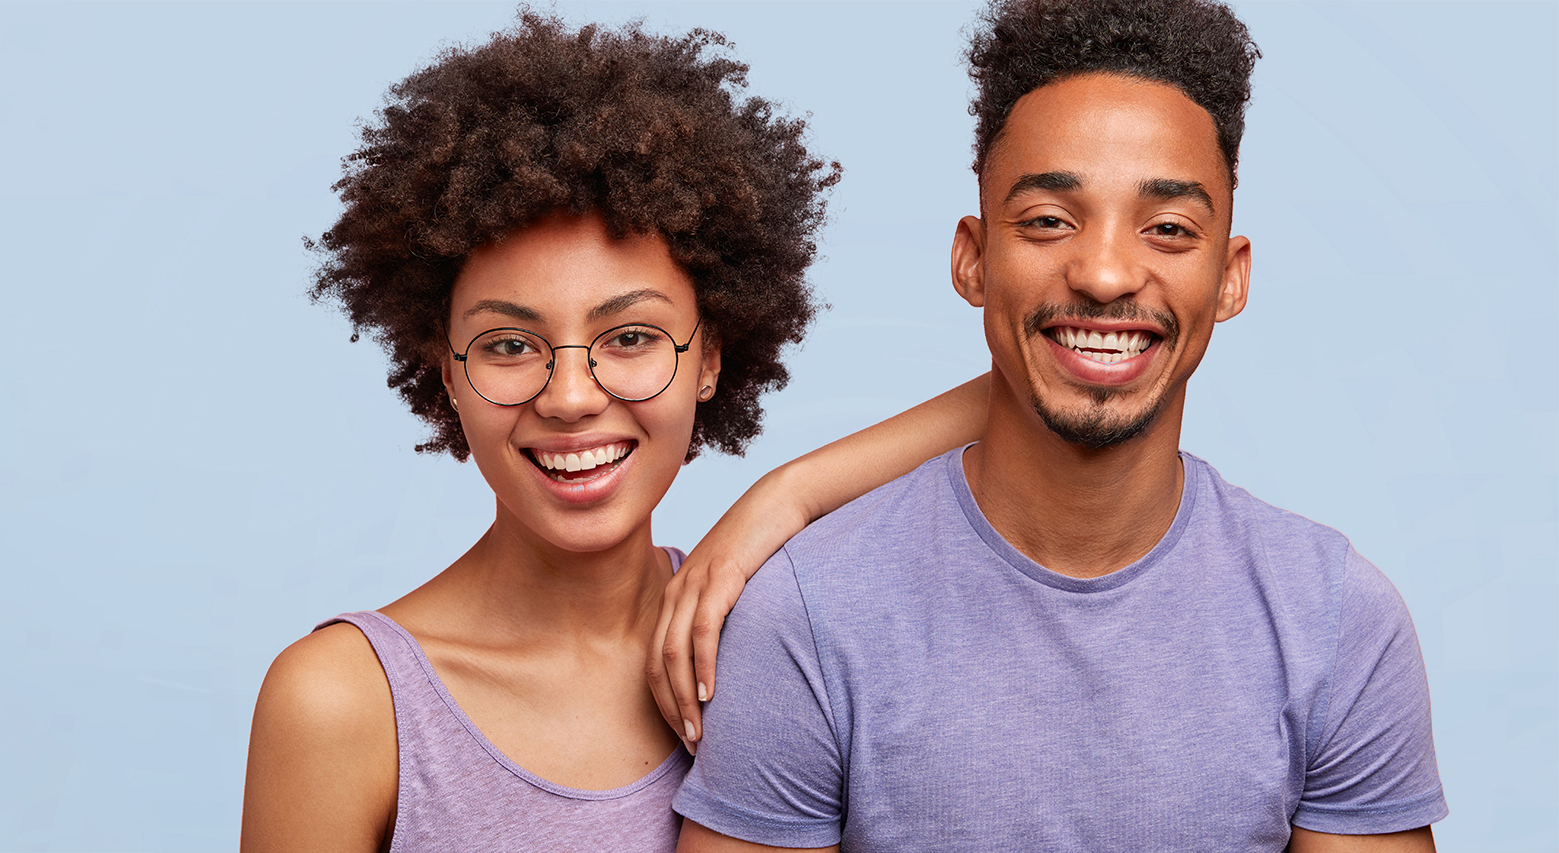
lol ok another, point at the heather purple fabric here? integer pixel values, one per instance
(460, 794)
(900, 678)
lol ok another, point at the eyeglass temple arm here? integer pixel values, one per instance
(682, 348)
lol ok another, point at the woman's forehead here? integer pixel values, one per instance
(570, 268)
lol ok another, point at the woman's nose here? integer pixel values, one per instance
(572, 392)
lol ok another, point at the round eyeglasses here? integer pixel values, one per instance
(633, 362)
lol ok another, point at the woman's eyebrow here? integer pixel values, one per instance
(615, 305)
(508, 309)
(619, 304)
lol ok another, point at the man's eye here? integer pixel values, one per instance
(1046, 222)
(1171, 229)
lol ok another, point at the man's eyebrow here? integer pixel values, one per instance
(619, 304)
(1170, 188)
(1051, 181)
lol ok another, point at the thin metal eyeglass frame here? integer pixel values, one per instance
(552, 360)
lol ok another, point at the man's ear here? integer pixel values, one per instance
(969, 260)
(1236, 279)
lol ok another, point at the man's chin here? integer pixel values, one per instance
(1096, 428)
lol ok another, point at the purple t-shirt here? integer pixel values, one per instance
(901, 678)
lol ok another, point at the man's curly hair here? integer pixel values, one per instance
(648, 131)
(1197, 46)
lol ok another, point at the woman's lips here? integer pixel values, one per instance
(579, 465)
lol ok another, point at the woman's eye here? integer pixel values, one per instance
(630, 339)
(509, 347)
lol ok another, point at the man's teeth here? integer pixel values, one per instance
(582, 460)
(1106, 347)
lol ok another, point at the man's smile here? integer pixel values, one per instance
(1105, 347)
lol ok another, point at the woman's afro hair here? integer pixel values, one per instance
(648, 131)
(1197, 46)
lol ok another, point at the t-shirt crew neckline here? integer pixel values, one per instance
(498, 754)
(959, 483)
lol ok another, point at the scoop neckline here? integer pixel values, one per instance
(499, 755)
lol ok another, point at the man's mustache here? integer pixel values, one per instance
(1052, 312)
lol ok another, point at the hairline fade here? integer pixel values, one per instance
(1198, 46)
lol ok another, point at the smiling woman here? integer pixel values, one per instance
(583, 253)
(530, 405)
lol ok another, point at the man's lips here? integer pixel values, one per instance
(1104, 347)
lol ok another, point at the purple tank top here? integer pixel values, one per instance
(459, 793)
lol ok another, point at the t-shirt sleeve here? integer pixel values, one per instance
(1371, 763)
(768, 767)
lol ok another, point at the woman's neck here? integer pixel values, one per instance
(515, 584)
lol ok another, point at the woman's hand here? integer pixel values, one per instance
(681, 658)
(681, 662)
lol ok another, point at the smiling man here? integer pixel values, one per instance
(1070, 635)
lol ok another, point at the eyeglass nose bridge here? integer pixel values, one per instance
(552, 367)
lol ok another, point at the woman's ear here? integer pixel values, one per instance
(447, 372)
(708, 369)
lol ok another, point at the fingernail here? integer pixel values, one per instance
(691, 734)
(703, 692)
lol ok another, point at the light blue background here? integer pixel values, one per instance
(198, 465)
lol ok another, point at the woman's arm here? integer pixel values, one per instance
(322, 753)
(681, 664)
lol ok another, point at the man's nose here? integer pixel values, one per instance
(572, 392)
(1104, 266)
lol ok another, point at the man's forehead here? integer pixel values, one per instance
(1105, 127)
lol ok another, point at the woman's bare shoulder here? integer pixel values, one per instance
(329, 678)
(322, 752)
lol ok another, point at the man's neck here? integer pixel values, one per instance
(1076, 511)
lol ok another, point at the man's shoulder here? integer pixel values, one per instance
(893, 517)
(859, 553)
(1236, 512)
(1307, 559)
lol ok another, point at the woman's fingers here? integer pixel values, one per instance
(676, 653)
(718, 597)
(655, 669)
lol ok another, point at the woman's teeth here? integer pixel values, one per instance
(1106, 347)
(581, 460)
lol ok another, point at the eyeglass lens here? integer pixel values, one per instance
(511, 366)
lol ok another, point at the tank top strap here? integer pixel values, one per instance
(433, 734)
